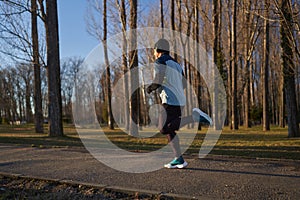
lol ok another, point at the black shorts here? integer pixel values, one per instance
(169, 119)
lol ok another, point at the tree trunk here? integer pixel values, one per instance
(122, 8)
(53, 70)
(186, 53)
(234, 114)
(162, 17)
(173, 26)
(197, 59)
(229, 69)
(281, 104)
(265, 70)
(27, 98)
(107, 77)
(38, 109)
(134, 75)
(217, 58)
(247, 122)
(289, 68)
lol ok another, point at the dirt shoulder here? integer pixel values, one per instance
(19, 187)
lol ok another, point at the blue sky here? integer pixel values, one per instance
(74, 39)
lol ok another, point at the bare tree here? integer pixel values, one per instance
(134, 75)
(265, 69)
(197, 59)
(234, 103)
(38, 108)
(16, 93)
(252, 32)
(10, 78)
(25, 71)
(15, 32)
(247, 15)
(217, 58)
(186, 47)
(108, 84)
(229, 63)
(162, 17)
(289, 68)
(53, 69)
(69, 74)
(23, 46)
(122, 11)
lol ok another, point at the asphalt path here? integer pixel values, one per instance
(213, 177)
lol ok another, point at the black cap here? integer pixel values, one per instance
(162, 45)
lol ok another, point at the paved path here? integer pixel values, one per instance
(214, 177)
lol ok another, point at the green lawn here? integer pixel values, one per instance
(243, 142)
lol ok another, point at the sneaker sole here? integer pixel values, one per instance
(182, 165)
(176, 166)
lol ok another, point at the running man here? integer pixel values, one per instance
(170, 82)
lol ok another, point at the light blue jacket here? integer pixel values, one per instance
(169, 77)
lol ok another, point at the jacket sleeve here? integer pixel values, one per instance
(159, 76)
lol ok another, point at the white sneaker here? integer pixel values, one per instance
(176, 163)
(202, 117)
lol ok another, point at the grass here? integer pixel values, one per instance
(25, 135)
(252, 142)
(256, 143)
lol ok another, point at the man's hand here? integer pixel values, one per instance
(149, 90)
(152, 87)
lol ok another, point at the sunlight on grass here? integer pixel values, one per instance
(243, 142)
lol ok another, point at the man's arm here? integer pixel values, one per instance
(159, 77)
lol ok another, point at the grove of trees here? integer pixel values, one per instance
(254, 43)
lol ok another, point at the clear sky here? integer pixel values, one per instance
(74, 39)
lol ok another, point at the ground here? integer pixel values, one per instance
(245, 164)
(26, 188)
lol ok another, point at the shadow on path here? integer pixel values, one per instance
(242, 172)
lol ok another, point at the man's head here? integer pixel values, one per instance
(161, 46)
